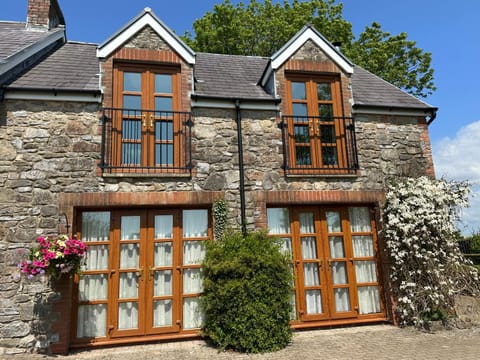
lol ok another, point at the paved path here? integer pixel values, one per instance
(355, 343)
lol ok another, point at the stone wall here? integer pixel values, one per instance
(48, 149)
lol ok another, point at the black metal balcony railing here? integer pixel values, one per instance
(319, 145)
(146, 142)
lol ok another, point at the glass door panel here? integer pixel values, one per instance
(129, 273)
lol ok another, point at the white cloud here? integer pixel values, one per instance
(458, 158)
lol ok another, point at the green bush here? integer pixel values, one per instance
(246, 297)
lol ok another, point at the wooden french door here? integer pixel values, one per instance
(146, 124)
(149, 265)
(334, 261)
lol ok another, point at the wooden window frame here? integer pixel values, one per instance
(314, 121)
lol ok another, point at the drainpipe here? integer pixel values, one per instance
(240, 167)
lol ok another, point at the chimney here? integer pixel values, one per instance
(44, 15)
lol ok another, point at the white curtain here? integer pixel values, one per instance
(92, 321)
(130, 228)
(127, 315)
(195, 223)
(93, 287)
(163, 254)
(97, 258)
(129, 254)
(163, 226)
(342, 299)
(286, 246)
(366, 271)
(363, 246)
(192, 282)
(162, 283)
(309, 248)
(360, 219)
(334, 223)
(307, 224)
(336, 247)
(192, 316)
(339, 272)
(293, 304)
(128, 285)
(193, 252)
(162, 313)
(314, 301)
(95, 226)
(278, 220)
(310, 274)
(369, 299)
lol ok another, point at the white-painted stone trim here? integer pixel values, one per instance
(147, 19)
(230, 104)
(53, 96)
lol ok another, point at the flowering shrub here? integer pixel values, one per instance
(428, 268)
(56, 255)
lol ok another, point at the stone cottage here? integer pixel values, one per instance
(126, 145)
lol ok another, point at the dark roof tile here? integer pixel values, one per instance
(74, 66)
(230, 76)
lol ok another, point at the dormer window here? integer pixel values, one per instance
(148, 132)
(318, 137)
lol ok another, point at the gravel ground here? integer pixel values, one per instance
(361, 342)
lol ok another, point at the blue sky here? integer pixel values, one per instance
(449, 30)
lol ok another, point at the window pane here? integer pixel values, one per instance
(339, 272)
(302, 155)
(286, 246)
(162, 283)
(309, 248)
(278, 220)
(162, 313)
(132, 81)
(129, 254)
(163, 154)
(366, 271)
(298, 91)
(362, 246)
(93, 287)
(128, 285)
(192, 282)
(333, 221)
(131, 129)
(97, 258)
(342, 300)
(336, 247)
(300, 109)
(163, 226)
(192, 313)
(164, 130)
(301, 134)
(163, 83)
(324, 91)
(313, 299)
(329, 156)
(163, 254)
(307, 223)
(131, 154)
(163, 103)
(325, 111)
(128, 315)
(95, 225)
(92, 321)
(359, 219)
(310, 274)
(195, 223)
(327, 134)
(130, 228)
(132, 102)
(369, 299)
(193, 252)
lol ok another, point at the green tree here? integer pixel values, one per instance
(260, 28)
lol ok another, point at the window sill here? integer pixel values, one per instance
(302, 173)
(146, 175)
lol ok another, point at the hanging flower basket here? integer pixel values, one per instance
(55, 255)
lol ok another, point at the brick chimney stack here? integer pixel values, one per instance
(44, 15)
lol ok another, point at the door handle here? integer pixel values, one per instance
(144, 120)
(151, 121)
(151, 271)
(141, 273)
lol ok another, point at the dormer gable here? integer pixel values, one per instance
(148, 22)
(307, 35)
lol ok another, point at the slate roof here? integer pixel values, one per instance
(370, 90)
(230, 76)
(15, 38)
(74, 66)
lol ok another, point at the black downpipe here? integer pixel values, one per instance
(240, 168)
